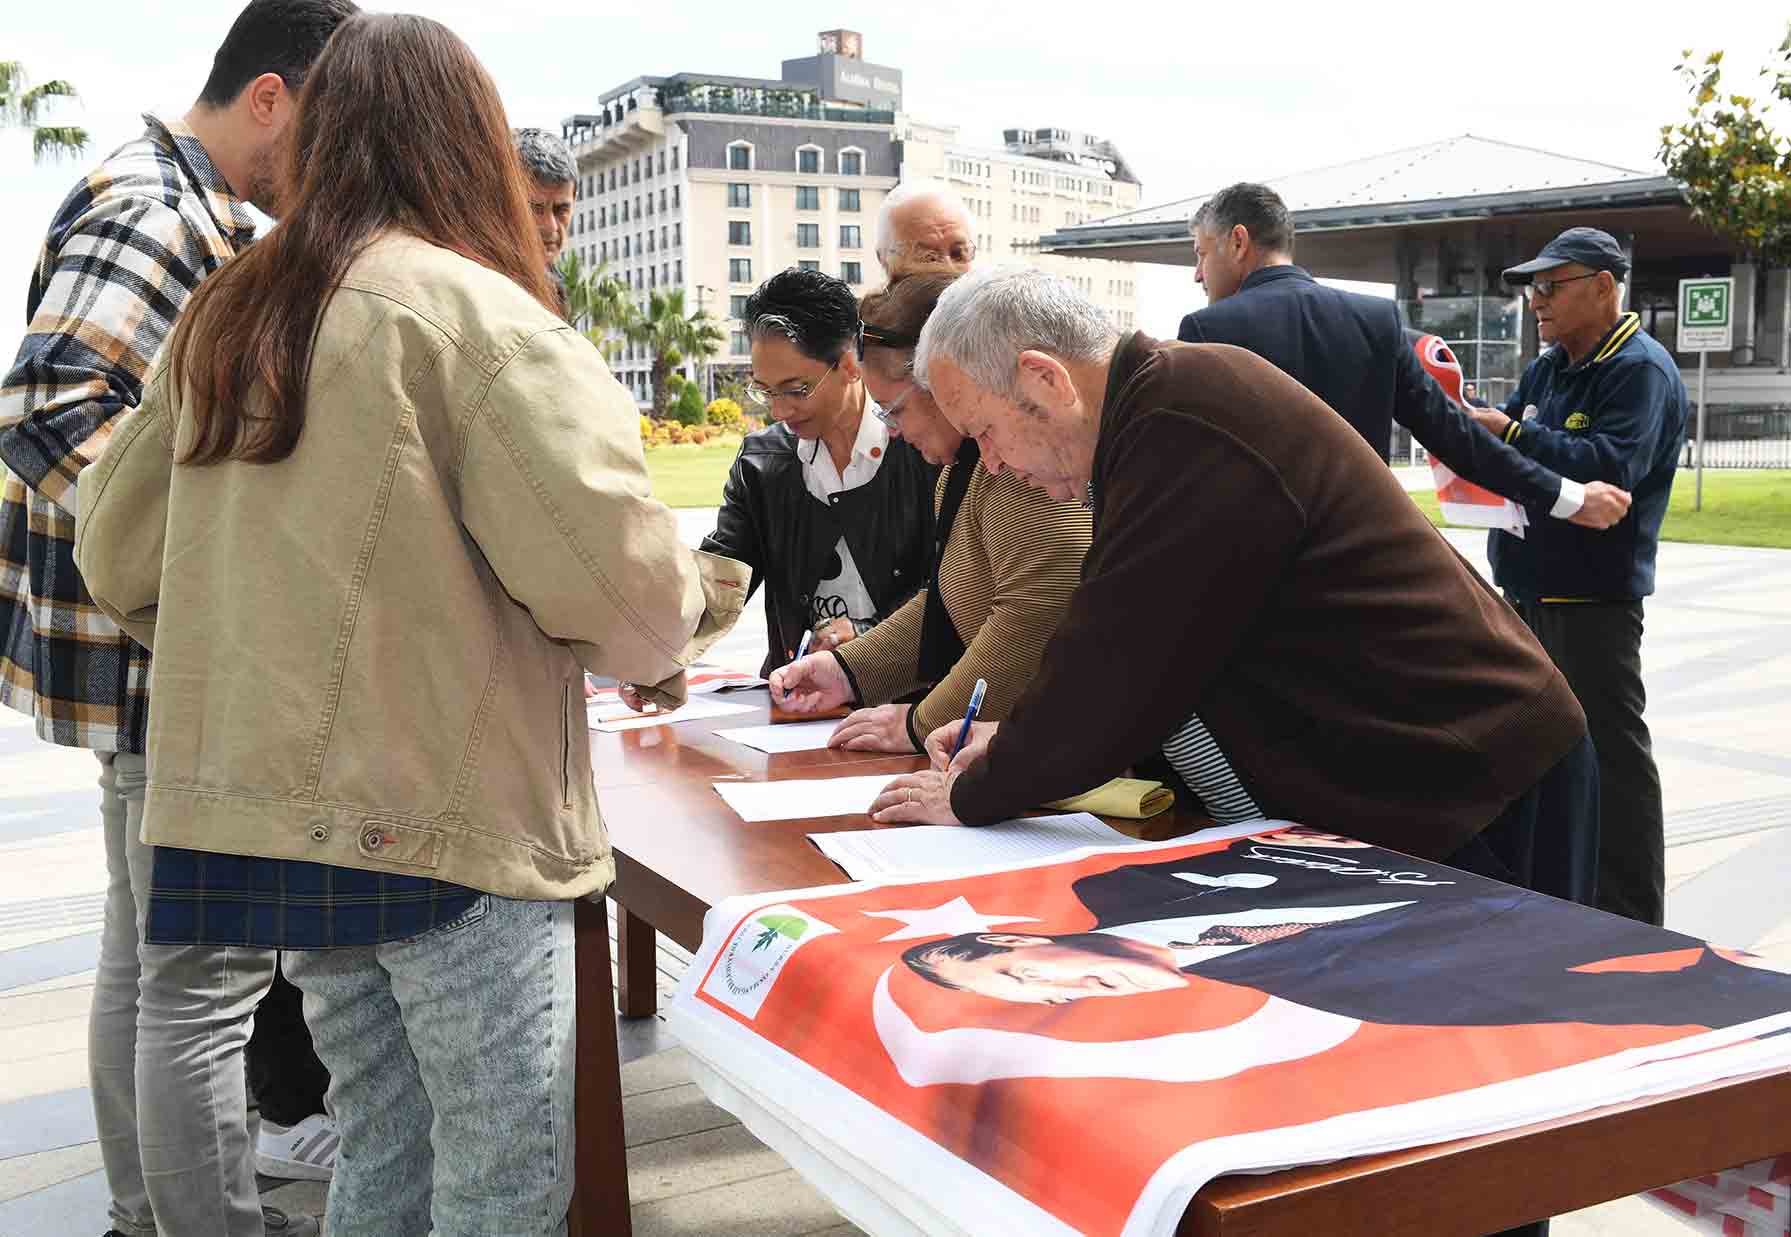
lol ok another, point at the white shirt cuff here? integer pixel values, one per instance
(1570, 500)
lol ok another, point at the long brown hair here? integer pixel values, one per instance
(398, 126)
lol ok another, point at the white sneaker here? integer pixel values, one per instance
(302, 1152)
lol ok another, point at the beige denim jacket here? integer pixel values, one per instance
(370, 654)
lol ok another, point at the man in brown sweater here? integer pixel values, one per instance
(1262, 603)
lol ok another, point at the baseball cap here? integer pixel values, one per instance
(1591, 248)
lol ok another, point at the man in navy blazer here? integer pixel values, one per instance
(1351, 351)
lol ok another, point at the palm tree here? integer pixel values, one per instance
(596, 301)
(20, 103)
(670, 335)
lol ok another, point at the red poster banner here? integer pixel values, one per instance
(1079, 1045)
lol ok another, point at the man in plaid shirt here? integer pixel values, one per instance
(126, 249)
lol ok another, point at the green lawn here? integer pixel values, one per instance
(691, 476)
(1741, 507)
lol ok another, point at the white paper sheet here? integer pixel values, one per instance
(793, 800)
(610, 716)
(784, 737)
(867, 854)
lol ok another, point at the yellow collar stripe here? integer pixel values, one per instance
(1628, 325)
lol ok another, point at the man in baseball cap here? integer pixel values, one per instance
(1588, 247)
(1604, 403)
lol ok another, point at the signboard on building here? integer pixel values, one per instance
(1706, 314)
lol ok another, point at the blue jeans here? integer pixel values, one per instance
(451, 1071)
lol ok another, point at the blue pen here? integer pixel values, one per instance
(976, 704)
(801, 651)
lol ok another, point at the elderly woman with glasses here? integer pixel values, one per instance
(834, 517)
(1006, 558)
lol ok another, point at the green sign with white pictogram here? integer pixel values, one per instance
(1706, 320)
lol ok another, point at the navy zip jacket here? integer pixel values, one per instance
(1617, 416)
(1350, 351)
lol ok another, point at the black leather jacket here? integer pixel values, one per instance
(770, 521)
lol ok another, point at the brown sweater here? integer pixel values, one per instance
(1010, 565)
(1254, 561)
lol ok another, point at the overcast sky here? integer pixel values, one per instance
(1195, 95)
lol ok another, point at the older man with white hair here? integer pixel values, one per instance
(924, 226)
(552, 175)
(1262, 605)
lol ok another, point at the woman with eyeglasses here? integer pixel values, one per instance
(1006, 558)
(832, 515)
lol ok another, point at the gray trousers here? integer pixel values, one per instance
(165, 1051)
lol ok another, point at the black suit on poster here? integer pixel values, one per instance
(1467, 953)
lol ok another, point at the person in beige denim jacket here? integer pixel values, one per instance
(377, 513)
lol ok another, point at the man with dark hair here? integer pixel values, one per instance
(126, 249)
(1350, 350)
(834, 517)
(552, 182)
(1605, 401)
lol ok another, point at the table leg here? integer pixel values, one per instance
(638, 994)
(600, 1156)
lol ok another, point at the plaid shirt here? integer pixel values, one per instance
(126, 249)
(197, 898)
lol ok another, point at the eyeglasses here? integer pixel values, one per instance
(1545, 288)
(765, 396)
(888, 415)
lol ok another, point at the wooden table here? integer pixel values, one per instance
(680, 849)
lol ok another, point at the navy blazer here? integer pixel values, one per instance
(1350, 351)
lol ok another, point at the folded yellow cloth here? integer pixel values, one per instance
(1123, 796)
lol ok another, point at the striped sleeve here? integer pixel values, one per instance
(1033, 547)
(119, 278)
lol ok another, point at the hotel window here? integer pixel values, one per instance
(675, 195)
(808, 264)
(850, 234)
(674, 158)
(808, 160)
(603, 252)
(808, 197)
(652, 277)
(678, 269)
(664, 235)
(627, 249)
(736, 307)
(851, 163)
(808, 236)
(739, 270)
(662, 163)
(738, 344)
(603, 216)
(740, 157)
(612, 179)
(650, 245)
(662, 199)
(649, 204)
(849, 199)
(739, 196)
(852, 272)
(739, 232)
(624, 210)
(637, 171)
(677, 234)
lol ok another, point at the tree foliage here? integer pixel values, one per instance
(669, 334)
(22, 104)
(1735, 167)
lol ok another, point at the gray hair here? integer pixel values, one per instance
(987, 318)
(914, 191)
(1259, 208)
(545, 157)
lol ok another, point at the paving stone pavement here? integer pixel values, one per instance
(1718, 667)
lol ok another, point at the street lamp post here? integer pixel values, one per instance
(702, 291)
